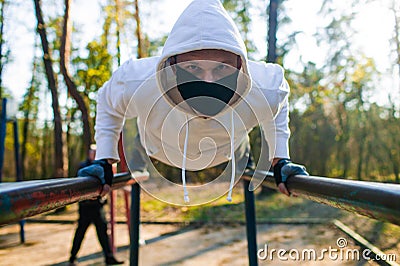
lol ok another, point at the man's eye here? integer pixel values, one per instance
(192, 68)
(223, 70)
(221, 67)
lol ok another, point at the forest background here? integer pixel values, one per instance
(344, 102)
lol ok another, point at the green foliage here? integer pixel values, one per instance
(154, 46)
(240, 11)
(93, 70)
(313, 136)
(337, 130)
(269, 206)
(5, 51)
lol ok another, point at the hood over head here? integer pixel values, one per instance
(203, 25)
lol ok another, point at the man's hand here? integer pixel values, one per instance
(283, 169)
(103, 171)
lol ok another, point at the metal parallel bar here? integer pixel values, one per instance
(251, 229)
(20, 200)
(376, 200)
(112, 197)
(127, 209)
(135, 225)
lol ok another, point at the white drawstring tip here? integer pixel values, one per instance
(185, 192)
(186, 198)
(233, 162)
(229, 198)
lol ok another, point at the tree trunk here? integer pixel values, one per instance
(393, 152)
(65, 51)
(27, 113)
(44, 165)
(3, 3)
(272, 29)
(396, 35)
(343, 139)
(140, 52)
(361, 147)
(118, 30)
(52, 84)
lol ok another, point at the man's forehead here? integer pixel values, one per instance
(208, 54)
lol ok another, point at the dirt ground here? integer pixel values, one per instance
(49, 244)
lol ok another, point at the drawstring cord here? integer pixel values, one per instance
(233, 162)
(185, 192)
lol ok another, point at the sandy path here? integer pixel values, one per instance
(49, 244)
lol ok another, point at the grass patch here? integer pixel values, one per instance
(268, 206)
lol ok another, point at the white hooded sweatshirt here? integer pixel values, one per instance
(178, 136)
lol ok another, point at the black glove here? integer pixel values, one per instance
(100, 169)
(284, 168)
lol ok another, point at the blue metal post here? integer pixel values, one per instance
(251, 229)
(22, 231)
(16, 149)
(135, 222)
(3, 122)
(18, 173)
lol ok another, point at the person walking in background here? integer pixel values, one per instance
(92, 211)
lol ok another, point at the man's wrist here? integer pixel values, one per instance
(275, 161)
(111, 161)
(278, 170)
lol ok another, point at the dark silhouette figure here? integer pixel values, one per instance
(92, 211)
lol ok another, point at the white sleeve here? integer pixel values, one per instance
(276, 131)
(112, 102)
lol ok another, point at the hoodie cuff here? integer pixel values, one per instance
(107, 148)
(281, 149)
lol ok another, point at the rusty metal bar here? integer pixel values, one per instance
(376, 200)
(20, 200)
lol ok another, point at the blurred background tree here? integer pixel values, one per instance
(338, 127)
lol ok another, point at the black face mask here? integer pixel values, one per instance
(208, 98)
